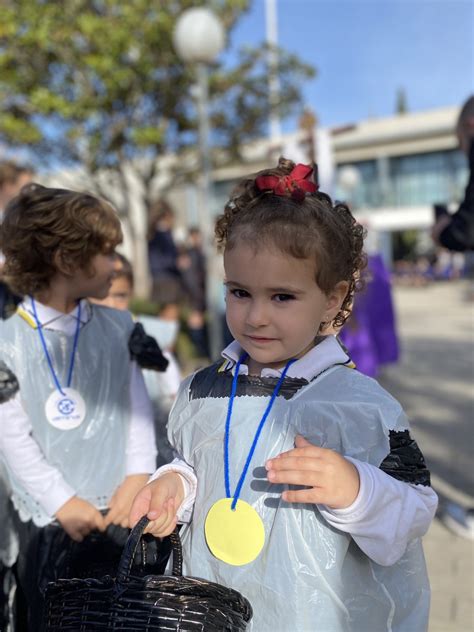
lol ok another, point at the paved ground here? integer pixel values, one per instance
(434, 382)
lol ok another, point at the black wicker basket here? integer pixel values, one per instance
(131, 603)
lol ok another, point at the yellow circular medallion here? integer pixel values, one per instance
(234, 536)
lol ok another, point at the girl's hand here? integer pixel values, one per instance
(121, 502)
(332, 479)
(78, 518)
(159, 501)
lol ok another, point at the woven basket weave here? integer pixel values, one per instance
(144, 604)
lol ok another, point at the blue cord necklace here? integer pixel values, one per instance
(45, 348)
(257, 434)
(234, 531)
(65, 408)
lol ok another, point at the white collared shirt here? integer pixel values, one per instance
(326, 354)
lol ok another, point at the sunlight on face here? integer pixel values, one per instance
(274, 305)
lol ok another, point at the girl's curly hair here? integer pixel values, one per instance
(41, 221)
(312, 228)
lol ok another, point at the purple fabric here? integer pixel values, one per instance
(370, 335)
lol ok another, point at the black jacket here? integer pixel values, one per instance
(459, 233)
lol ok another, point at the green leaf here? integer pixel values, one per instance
(99, 81)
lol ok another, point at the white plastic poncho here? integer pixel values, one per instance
(91, 456)
(309, 576)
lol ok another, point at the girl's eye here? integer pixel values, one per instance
(239, 293)
(283, 298)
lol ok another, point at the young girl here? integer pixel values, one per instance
(311, 495)
(77, 439)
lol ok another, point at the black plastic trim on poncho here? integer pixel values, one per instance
(209, 382)
(9, 386)
(145, 350)
(8, 301)
(405, 462)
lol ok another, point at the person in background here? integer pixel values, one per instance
(456, 233)
(307, 462)
(192, 264)
(370, 335)
(77, 439)
(162, 386)
(12, 178)
(167, 289)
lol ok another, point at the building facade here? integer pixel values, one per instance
(390, 170)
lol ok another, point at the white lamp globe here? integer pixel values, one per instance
(348, 178)
(198, 36)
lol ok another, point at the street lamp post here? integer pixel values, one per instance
(349, 179)
(198, 38)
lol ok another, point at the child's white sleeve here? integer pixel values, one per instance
(386, 515)
(189, 481)
(26, 461)
(141, 445)
(171, 379)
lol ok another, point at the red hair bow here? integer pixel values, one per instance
(295, 185)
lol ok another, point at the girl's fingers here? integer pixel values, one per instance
(168, 528)
(154, 526)
(160, 523)
(111, 515)
(118, 519)
(294, 477)
(172, 526)
(295, 463)
(158, 501)
(140, 506)
(311, 496)
(157, 516)
(170, 520)
(162, 528)
(100, 523)
(302, 442)
(310, 451)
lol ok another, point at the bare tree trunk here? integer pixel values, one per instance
(138, 216)
(136, 221)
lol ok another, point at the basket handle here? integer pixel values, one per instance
(131, 547)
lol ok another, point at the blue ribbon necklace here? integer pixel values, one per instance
(65, 408)
(45, 348)
(234, 531)
(257, 434)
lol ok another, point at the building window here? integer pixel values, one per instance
(420, 179)
(428, 178)
(367, 191)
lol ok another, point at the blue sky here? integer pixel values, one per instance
(365, 50)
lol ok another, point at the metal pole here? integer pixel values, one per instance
(213, 282)
(273, 80)
(204, 161)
